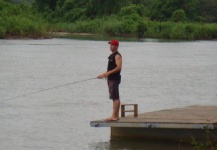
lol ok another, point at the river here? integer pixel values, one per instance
(156, 75)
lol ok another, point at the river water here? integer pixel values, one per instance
(155, 75)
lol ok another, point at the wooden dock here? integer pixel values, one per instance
(171, 124)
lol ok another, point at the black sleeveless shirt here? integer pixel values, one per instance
(112, 65)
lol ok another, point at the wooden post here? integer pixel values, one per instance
(135, 110)
(122, 110)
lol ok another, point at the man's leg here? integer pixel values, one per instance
(115, 114)
(116, 107)
(114, 95)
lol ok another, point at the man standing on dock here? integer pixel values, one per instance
(113, 78)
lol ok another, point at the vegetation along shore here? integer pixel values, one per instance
(187, 20)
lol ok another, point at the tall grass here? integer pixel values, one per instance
(17, 26)
(188, 31)
(114, 26)
(89, 26)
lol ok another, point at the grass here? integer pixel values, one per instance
(112, 26)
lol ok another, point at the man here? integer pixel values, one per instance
(113, 78)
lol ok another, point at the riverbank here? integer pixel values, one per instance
(100, 37)
(28, 37)
(92, 36)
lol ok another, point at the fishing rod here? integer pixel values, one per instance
(50, 89)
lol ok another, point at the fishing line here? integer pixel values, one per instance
(50, 88)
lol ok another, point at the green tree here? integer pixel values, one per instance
(208, 10)
(131, 9)
(105, 7)
(163, 9)
(179, 16)
(44, 5)
(73, 10)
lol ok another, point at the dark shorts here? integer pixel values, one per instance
(113, 87)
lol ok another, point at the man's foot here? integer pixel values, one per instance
(112, 119)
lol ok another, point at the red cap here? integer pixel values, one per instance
(114, 42)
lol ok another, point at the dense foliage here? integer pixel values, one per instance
(20, 21)
(159, 10)
(178, 19)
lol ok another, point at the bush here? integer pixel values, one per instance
(122, 26)
(179, 16)
(113, 28)
(133, 9)
(18, 26)
(141, 29)
(75, 14)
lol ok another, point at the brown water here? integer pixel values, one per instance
(156, 76)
